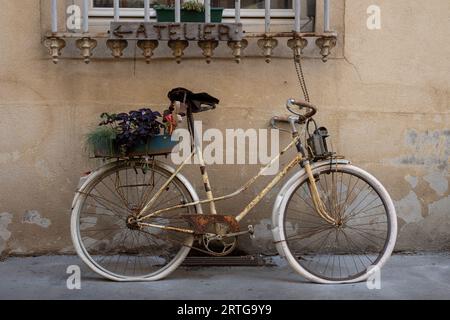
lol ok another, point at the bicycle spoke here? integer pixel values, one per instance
(110, 242)
(341, 251)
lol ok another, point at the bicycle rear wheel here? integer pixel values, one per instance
(347, 252)
(102, 233)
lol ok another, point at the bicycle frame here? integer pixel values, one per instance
(298, 160)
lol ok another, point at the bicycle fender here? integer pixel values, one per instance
(84, 180)
(281, 198)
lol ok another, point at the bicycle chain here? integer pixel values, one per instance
(177, 241)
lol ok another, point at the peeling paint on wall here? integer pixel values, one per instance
(438, 182)
(441, 206)
(413, 181)
(34, 217)
(409, 208)
(5, 234)
(429, 148)
(430, 233)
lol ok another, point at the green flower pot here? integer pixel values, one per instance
(168, 15)
(157, 145)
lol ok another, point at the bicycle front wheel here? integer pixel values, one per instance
(106, 239)
(352, 249)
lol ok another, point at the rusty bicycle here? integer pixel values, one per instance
(136, 219)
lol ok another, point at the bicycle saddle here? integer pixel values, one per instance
(193, 100)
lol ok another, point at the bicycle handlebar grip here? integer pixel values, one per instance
(304, 104)
(275, 119)
(280, 119)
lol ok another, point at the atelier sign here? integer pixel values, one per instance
(166, 31)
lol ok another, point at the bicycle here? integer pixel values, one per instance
(136, 219)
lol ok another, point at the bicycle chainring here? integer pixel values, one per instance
(212, 230)
(219, 246)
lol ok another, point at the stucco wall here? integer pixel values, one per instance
(385, 98)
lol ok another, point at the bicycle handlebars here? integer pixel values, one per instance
(296, 118)
(302, 104)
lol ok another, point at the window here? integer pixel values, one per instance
(245, 4)
(249, 8)
(252, 13)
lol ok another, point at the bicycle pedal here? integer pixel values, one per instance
(251, 231)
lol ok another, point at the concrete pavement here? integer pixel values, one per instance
(419, 276)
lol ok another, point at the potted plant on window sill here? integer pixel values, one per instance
(191, 11)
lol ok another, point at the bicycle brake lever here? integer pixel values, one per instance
(272, 124)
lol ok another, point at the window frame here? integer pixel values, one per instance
(227, 13)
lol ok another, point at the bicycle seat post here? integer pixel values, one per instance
(199, 153)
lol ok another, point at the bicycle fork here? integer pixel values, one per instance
(317, 201)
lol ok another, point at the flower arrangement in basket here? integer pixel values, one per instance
(132, 134)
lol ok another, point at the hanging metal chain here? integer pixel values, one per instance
(301, 78)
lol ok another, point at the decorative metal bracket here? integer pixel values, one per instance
(237, 47)
(178, 47)
(208, 47)
(55, 46)
(86, 45)
(148, 35)
(147, 47)
(267, 44)
(117, 47)
(326, 43)
(297, 44)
